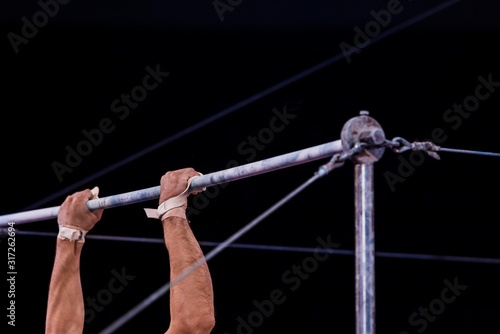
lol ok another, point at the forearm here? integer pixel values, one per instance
(65, 309)
(191, 298)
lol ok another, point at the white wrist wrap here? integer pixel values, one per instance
(171, 203)
(72, 234)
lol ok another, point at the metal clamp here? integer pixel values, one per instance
(366, 133)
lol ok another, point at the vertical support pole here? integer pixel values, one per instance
(364, 249)
(364, 130)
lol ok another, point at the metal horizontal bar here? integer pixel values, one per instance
(224, 176)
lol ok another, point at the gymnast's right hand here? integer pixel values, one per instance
(74, 213)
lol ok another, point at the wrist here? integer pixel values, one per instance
(71, 233)
(174, 212)
(174, 206)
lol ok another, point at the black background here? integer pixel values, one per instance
(428, 58)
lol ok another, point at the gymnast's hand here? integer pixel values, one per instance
(74, 213)
(173, 183)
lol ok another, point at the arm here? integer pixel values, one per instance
(65, 311)
(65, 308)
(191, 298)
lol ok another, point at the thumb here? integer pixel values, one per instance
(95, 195)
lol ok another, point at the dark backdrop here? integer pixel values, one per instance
(265, 57)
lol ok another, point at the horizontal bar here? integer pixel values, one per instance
(322, 151)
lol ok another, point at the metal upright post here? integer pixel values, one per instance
(364, 252)
(358, 130)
